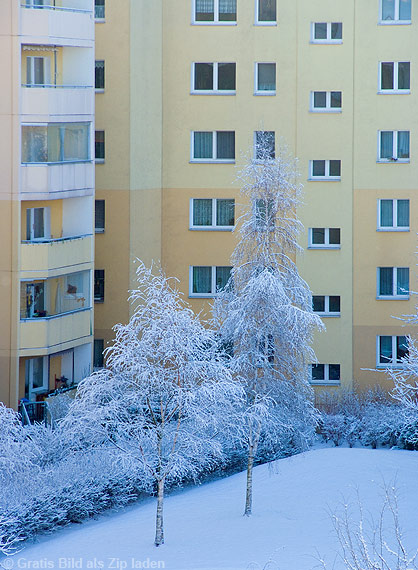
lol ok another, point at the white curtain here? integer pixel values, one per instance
(203, 145)
(386, 212)
(403, 213)
(403, 144)
(202, 280)
(225, 215)
(386, 144)
(202, 212)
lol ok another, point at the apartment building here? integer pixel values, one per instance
(184, 87)
(47, 195)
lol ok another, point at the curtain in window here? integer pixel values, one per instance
(403, 144)
(225, 144)
(202, 212)
(266, 10)
(222, 276)
(402, 285)
(266, 77)
(34, 144)
(226, 76)
(318, 303)
(202, 145)
(403, 213)
(99, 74)
(386, 75)
(205, 10)
(401, 347)
(318, 168)
(388, 9)
(403, 75)
(318, 371)
(227, 7)
(76, 140)
(225, 212)
(336, 30)
(202, 280)
(38, 372)
(386, 144)
(386, 281)
(386, 213)
(334, 371)
(385, 350)
(203, 76)
(320, 31)
(318, 235)
(404, 9)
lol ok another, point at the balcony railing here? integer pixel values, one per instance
(42, 6)
(54, 86)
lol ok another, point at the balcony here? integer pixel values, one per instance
(51, 100)
(59, 180)
(50, 334)
(72, 21)
(43, 257)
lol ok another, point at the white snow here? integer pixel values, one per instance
(205, 528)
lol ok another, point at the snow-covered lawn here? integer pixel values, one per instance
(205, 529)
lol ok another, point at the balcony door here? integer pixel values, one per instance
(36, 377)
(38, 70)
(37, 224)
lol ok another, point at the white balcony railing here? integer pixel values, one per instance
(67, 21)
(53, 100)
(53, 180)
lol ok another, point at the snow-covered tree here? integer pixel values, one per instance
(166, 399)
(265, 311)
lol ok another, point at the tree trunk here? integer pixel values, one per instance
(249, 495)
(159, 526)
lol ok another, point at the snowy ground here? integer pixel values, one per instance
(205, 529)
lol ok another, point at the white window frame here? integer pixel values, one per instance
(403, 297)
(209, 160)
(327, 176)
(391, 364)
(394, 227)
(395, 89)
(44, 387)
(215, 90)
(327, 312)
(216, 21)
(264, 92)
(396, 21)
(30, 62)
(326, 244)
(328, 39)
(327, 108)
(213, 226)
(257, 22)
(213, 293)
(394, 159)
(325, 380)
(47, 223)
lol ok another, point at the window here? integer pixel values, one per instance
(324, 238)
(395, 11)
(99, 285)
(206, 281)
(99, 75)
(327, 32)
(99, 9)
(265, 12)
(38, 71)
(215, 11)
(327, 305)
(212, 213)
(32, 299)
(265, 78)
(99, 146)
(393, 282)
(217, 146)
(394, 77)
(265, 215)
(36, 376)
(393, 215)
(326, 101)
(325, 373)
(210, 78)
(59, 142)
(38, 224)
(391, 350)
(98, 360)
(393, 146)
(325, 170)
(264, 145)
(99, 216)
(265, 349)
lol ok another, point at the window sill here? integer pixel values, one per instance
(326, 42)
(99, 90)
(394, 22)
(390, 365)
(214, 23)
(325, 382)
(393, 161)
(99, 300)
(211, 229)
(391, 229)
(269, 24)
(99, 160)
(325, 110)
(61, 163)
(324, 246)
(324, 179)
(264, 93)
(99, 20)
(99, 230)
(392, 298)
(202, 295)
(218, 92)
(210, 161)
(394, 92)
(328, 315)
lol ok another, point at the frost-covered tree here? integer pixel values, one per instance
(166, 399)
(265, 312)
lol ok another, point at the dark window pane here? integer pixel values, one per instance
(334, 304)
(226, 76)
(334, 236)
(386, 281)
(401, 347)
(202, 212)
(318, 303)
(203, 145)
(225, 212)
(386, 213)
(98, 353)
(336, 31)
(388, 9)
(403, 75)
(99, 77)
(99, 145)
(99, 281)
(203, 76)
(202, 280)
(266, 77)
(99, 9)
(336, 99)
(386, 78)
(403, 213)
(222, 277)
(334, 371)
(318, 371)
(320, 99)
(99, 218)
(204, 10)
(386, 144)
(402, 281)
(320, 31)
(404, 9)
(227, 10)
(385, 350)
(318, 168)
(335, 167)
(403, 144)
(266, 10)
(318, 235)
(225, 144)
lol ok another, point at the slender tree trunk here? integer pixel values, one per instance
(159, 526)
(249, 494)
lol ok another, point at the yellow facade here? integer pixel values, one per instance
(148, 180)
